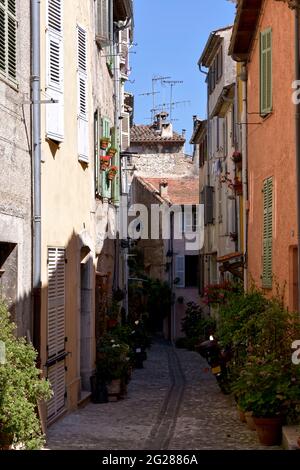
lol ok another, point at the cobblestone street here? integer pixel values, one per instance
(172, 404)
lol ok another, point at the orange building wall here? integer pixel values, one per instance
(271, 151)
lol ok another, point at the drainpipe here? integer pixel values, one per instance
(297, 122)
(36, 146)
(208, 164)
(244, 118)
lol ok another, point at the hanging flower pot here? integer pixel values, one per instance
(112, 171)
(104, 142)
(111, 151)
(104, 162)
(238, 187)
(236, 157)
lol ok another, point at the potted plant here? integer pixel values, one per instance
(21, 389)
(104, 162)
(111, 173)
(104, 142)
(238, 186)
(111, 152)
(236, 157)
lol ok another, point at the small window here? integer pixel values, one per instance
(266, 72)
(8, 39)
(191, 271)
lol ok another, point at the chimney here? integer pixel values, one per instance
(183, 132)
(163, 188)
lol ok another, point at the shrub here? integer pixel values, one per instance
(20, 388)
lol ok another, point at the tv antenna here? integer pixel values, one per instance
(155, 79)
(172, 84)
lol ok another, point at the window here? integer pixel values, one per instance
(191, 270)
(8, 39)
(103, 22)
(83, 128)
(266, 72)
(267, 233)
(55, 71)
(180, 271)
(189, 214)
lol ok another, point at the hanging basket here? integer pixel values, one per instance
(104, 143)
(112, 171)
(104, 162)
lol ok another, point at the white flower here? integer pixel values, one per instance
(112, 340)
(137, 322)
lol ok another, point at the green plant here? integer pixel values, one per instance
(112, 358)
(21, 387)
(196, 326)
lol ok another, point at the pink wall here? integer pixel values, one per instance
(271, 150)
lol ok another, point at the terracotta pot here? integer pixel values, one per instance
(250, 421)
(114, 390)
(111, 152)
(269, 430)
(6, 440)
(104, 166)
(104, 144)
(111, 176)
(241, 415)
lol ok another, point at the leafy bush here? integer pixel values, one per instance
(112, 358)
(20, 388)
(196, 326)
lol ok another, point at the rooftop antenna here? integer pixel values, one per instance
(156, 78)
(172, 84)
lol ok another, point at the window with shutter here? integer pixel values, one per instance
(180, 271)
(266, 72)
(83, 129)
(125, 131)
(8, 39)
(55, 71)
(97, 136)
(267, 233)
(116, 162)
(105, 183)
(56, 301)
(103, 22)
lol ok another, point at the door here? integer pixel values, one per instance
(56, 332)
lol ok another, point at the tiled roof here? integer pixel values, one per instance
(180, 190)
(144, 133)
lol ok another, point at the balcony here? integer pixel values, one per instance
(123, 9)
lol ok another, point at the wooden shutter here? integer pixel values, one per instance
(116, 161)
(180, 270)
(105, 184)
(266, 72)
(267, 233)
(125, 131)
(103, 22)
(97, 136)
(188, 219)
(56, 302)
(83, 130)
(56, 377)
(8, 39)
(55, 71)
(208, 196)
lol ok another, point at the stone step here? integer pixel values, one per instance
(290, 436)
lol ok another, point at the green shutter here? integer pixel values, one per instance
(266, 72)
(267, 233)
(105, 183)
(116, 162)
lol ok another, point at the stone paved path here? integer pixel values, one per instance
(172, 404)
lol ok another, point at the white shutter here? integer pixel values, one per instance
(180, 270)
(56, 301)
(55, 71)
(125, 131)
(188, 219)
(8, 39)
(83, 129)
(56, 377)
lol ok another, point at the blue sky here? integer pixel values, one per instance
(170, 36)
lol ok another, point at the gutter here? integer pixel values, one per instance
(244, 119)
(36, 160)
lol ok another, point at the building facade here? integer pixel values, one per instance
(15, 168)
(81, 81)
(267, 48)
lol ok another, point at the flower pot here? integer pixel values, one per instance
(111, 152)
(269, 430)
(99, 390)
(241, 415)
(250, 421)
(104, 143)
(6, 440)
(237, 157)
(114, 389)
(104, 166)
(111, 176)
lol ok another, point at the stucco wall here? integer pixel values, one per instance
(271, 149)
(15, 168)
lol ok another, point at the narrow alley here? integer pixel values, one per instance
(172, 404)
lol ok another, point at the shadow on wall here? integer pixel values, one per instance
(71, 306)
